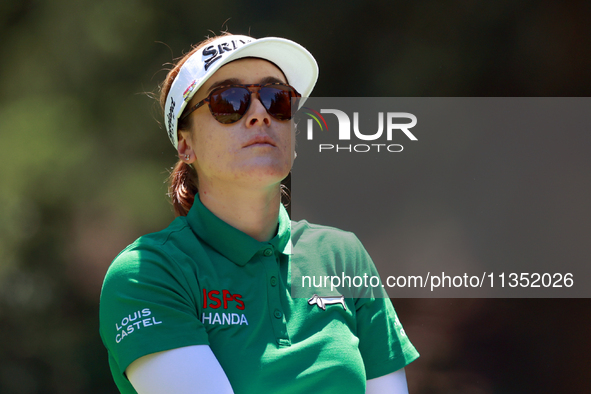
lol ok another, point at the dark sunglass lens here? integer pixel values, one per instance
(230, 104)
(277, 100)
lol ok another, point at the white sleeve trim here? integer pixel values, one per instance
(186, 370)
(393, 383)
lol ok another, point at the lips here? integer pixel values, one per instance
(260, 140)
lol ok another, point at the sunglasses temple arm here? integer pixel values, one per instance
(191, 110)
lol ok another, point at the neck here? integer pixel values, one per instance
(253, 211)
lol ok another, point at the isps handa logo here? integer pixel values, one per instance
(230, 303)
(390, 125)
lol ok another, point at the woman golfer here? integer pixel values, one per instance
(206, 305)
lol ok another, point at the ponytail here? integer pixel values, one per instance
(182, 187)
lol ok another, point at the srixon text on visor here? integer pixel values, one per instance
(393, 124)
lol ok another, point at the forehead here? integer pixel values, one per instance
(246, 71)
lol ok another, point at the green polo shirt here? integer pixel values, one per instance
(203, 282)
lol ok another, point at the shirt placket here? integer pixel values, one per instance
(270, 261)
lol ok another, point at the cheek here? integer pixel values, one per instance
(210, 151)
(213, 147)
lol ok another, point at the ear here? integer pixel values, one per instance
(186, 152)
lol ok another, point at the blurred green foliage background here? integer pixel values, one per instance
(83, 161)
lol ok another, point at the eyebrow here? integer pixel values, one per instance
(236, 81)
(229, 81)
(270, 80)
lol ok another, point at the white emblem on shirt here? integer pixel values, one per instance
(323, 301)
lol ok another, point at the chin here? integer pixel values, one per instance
(266, 175)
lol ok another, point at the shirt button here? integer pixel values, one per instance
(277, 314)
(273, 281)
(268, 252)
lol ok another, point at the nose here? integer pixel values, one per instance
(257, 114)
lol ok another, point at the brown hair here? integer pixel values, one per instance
(183, 182)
